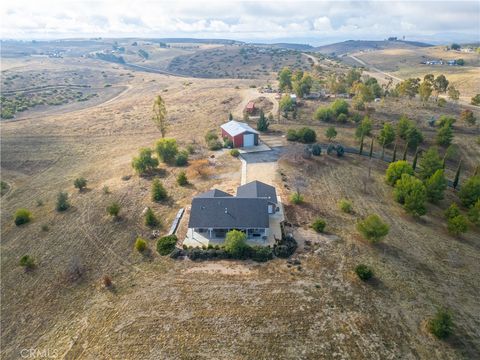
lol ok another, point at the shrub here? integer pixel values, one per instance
(411, 193)
(211, 135)
(387, 135)
(292, 135)
(261, 253)
(262, 123)
(444, 135)
(319, 225)
(166, 244)
(150, 218)
(345, 206)
(430, 162)
(470, 191)
(144, 162)
(236, 244)
(182, 158)
(140, 245)
(62, 202)
(435, 186)
(316, 150)
(166, 149)
(306, 135)
(475, 100)
(296, 198)
(235, 152)
(364, 272)
(339, 107)
(342, 118)
(452, 211)
(107, 281)
(158, 191)
(191, 149)
(474, 213)
(331, 133)
(80, 183)
(106, 190)
(214, 145)
(45, 227)
(395, 171)
(441, 102)
(457, 225)
(340, 150)
(227, 143)
(468, 117)
(27, 262)
(285, 247)
(330, 149)
(441, 325)
(324, 114)
(22, 216)
(113, 209)
(182, 178)
(373, 228)
(364, 128)
(356, 117)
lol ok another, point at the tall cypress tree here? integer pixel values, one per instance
(361, 146)
(394, 158)
(444, 160)
(371, 150)
(457, 175)
(414, 163)
(405, 152)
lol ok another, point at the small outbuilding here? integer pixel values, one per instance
(250, 108)
(241, 134)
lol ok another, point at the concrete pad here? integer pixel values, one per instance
(253, 149)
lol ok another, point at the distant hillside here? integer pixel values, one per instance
(350, 46)
(200, 41)
(289, 46)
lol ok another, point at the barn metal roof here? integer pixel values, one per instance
(235, 128)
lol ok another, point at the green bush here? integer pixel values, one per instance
(113, 209)
(306, 135)
(214, 145)
(140, 244)
(345, 206)
(296, 198)
(235, 152)
(22, 216)
(158, 191)
(324, 114)
(470, 191)
(339, 107)
(62, 202)
(342, 118)
(373, 228)
(412, 194)
(435, 186)
(364, 272)
(182, 178)
(27, 262)
(396, 170)
(166, 244)
(340, 150)
(236, 244)
(292, 135)
(452, 211)
(150, 218)
(211, 135)
(441, 325)
(144, 162)
(167, 150)
(80, 183)
(285, 247)
(261, 253)
(319, 225)
(182, 158)
(316, 150)
(457, 225)
(474, 213)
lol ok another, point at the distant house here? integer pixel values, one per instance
(293, 97)
(250, 108)
(216, 212)
(241, 134)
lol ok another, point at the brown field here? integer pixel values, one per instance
(161, 308)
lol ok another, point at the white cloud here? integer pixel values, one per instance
(236, 19)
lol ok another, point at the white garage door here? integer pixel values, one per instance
(248, 140)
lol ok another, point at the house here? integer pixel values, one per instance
(215, 212)
(250, 108)
(241, 134)
(293, 97)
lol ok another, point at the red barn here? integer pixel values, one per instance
(241, 134)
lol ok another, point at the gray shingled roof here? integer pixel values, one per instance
(213, 194)
(228, 213)
(257, 189)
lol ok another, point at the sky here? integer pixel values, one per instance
(313, 22)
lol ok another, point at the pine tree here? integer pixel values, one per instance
(457, 175)
(158, 191)
(394, 158)
(414, 163)
(150, 218)
(361, 146)
(230, 117)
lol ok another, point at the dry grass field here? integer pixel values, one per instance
(159, 308)
(405, 63)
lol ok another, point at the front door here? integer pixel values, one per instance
(248, 140)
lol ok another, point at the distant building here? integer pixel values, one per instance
(293, 97)
(241, 134)
(250, 108)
